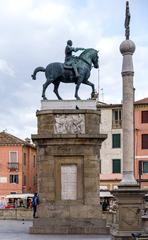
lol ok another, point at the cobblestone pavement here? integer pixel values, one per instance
(18, 230)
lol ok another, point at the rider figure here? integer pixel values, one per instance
(69, 58)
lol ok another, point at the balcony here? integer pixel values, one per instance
(117, 124)
(13, 165)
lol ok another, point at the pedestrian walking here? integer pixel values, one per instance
(35, 202)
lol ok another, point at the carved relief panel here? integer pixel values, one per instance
(69, 124)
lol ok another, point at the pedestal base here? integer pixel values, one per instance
(68, 146)
(68, 104)
(128, 218)
(69, 226)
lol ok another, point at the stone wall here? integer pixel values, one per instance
(16, 213)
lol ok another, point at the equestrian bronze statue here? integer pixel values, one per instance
(73, 70)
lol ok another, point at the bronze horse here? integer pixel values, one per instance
(57, 72)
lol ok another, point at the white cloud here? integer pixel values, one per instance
(51, 13)
(140, 60)
(34, 33)
(15, 8)
(6, 68)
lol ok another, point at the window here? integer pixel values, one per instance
(116, 166)
(14, 179)
(100, 165)
(116, 118)
(144, 141)
(144, 116)
(13, 157)
(34, 180)
(116, 141)
(24, 180)
(24, 160)
(13, 160)
(145, 167)
(34, 160)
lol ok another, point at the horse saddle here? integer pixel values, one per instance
(68, 66)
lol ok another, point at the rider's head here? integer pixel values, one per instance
(69, 42)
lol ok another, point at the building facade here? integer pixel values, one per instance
(111, 150)
(141, 142)
(17, 165)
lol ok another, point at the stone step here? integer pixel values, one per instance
(69, 226)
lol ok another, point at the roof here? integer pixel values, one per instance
(8, 139)
(139, 102)
(105, 194)
(105, 105)
(142, 101)
(20, 195)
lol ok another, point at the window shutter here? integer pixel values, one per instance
(144, 141)
(145, 167)
(116, 166)
(144, 116)
(116, 142)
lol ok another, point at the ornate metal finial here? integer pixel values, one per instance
(127, 21)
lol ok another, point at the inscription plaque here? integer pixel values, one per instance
(69, 182)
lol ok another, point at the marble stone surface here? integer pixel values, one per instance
(68, 104)
(70, 124)
(69, 182)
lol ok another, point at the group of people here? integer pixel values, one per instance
(109, 205)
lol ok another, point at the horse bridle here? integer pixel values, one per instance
(89, 64)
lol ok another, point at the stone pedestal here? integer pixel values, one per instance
(129, 214)
(68, 149)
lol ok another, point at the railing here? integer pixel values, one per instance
(117, 124)
(13, 165)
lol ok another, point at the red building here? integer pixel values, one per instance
(141, 141)
(17, 165)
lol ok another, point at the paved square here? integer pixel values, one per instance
(18, 230)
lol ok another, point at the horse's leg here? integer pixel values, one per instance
(77, 88)
(56, 86)
(45, 85)
(92, 85)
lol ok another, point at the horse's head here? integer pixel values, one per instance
(91, 55)
(95, 59)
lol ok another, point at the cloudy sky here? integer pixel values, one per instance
(34, 33)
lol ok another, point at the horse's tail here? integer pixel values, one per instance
(36, 70)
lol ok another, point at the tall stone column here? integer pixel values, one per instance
(129, 196)
(127, 48)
